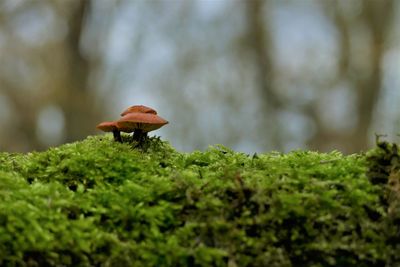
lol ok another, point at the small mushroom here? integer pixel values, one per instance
(111, 126)
(139, 109)
(140, 124)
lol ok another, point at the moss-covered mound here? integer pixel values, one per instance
(102, 203)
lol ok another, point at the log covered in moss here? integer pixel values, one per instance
(98, 202)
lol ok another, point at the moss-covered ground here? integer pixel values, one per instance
(103, 203)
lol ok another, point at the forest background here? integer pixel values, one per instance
(253, 75)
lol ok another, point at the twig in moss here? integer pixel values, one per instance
(328, 161)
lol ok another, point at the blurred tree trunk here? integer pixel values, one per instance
(376, 17)
(259, 43)
(65, 83)
(21, 132)
(75, 96)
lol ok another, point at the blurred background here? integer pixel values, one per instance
(255, 75)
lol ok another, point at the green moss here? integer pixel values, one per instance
(99, 202)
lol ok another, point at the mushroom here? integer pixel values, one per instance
(139, 109)
(111, 126)
(140, 124)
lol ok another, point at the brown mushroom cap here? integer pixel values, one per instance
(107, 126)
(140, 121)
(139, 109)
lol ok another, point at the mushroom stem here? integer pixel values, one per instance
(139, 135)
(117, 136)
